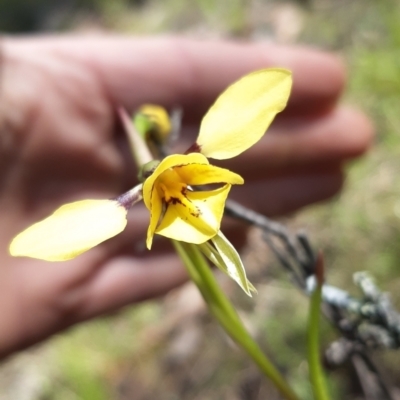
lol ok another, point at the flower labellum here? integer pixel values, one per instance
(177, 210)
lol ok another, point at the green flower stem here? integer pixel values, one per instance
(314, 364)
(140, 152)
(226, 315)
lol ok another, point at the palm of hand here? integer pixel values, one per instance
(59, 145)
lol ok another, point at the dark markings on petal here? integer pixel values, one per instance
(175, 200)
(196, 214)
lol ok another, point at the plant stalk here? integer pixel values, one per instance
(224, 312)
(317, 377)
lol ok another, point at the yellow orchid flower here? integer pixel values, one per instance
(190, 216)
(178, 210)
(237, 120)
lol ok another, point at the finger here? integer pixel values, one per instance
(39, 298)
(125, 280)
(193, 73)
(282, 195)
(173, 71)
(305, 143)
(30, 315)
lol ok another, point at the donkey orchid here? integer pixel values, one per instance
(178, 209)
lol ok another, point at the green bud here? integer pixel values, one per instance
(142, 124)
(147, 169)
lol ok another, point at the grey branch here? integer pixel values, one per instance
(365, 323)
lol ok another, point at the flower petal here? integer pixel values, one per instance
(203, 174)
(180, 224)
(243, 112)
(166, 163)
(71, 230)
(155, 213)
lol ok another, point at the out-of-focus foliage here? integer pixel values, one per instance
(39, 15)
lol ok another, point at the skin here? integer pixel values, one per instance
(60, 141)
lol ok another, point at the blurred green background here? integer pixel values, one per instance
(171, 349)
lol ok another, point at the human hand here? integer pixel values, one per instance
(59, 143)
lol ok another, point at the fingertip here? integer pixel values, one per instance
(319, 77)
(209, 66)
(362, 136)
(328, 77)
(291, 193)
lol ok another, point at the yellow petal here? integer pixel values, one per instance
(155, 213)
(166, 163)
(243, 112)
(179, 224)
(71, 230)
(203, 174)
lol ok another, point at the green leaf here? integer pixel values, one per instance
(223, 255)
(317, 376)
